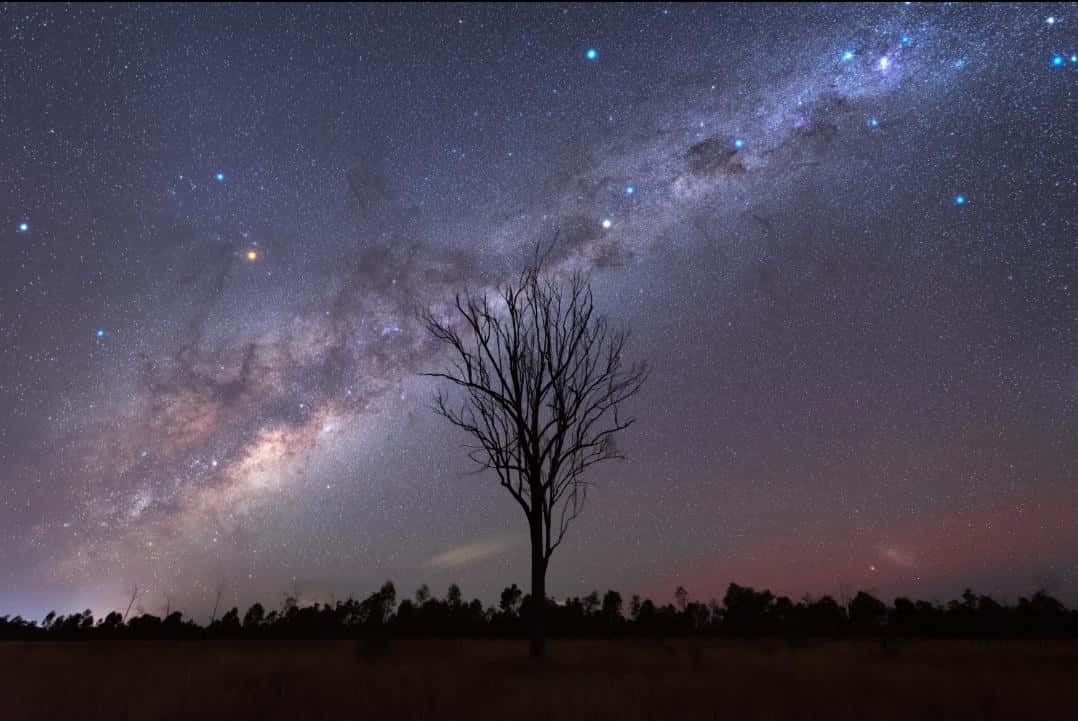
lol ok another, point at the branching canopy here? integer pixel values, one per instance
(544, 383)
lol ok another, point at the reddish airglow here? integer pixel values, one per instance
(933, 553)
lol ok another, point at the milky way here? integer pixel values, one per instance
(844, 237)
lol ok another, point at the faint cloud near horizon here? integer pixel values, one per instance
(469, 553)
(898, 556)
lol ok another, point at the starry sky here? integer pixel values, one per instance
(845, 238)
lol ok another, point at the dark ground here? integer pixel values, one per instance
(480, 680)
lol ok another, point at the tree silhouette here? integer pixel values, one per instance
(111, 624)
(745, 613)
(611, 610)
(229, 625)
(254, 616)
(510, 600)
(748, 612)
(134, 595)
(220, 590)
(868, 614)
(376, 608)
(591, 603)
(682, 598)
(543, 384)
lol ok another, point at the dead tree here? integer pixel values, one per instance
(543, 384)
(134, 595)
(220, 591)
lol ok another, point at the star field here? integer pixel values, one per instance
(844, 238)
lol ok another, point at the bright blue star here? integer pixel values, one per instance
(629, 190)
(959, 63)
(848, 55)
(220, 177)
(739, 143)
(959, 200)
(592, 54)
(874, 122)
(100, 333)
(1057, 61)
(1074, 58)
(906, 40)
(24, 226)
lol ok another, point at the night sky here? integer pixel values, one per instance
(845, 238)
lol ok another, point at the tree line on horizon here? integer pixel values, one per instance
(744, 613)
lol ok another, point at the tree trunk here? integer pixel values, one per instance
(538, 605)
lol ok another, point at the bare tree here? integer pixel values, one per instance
(543, 382)
(682, 598)
(134, 595)
(220, 591)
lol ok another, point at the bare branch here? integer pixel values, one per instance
(543, 388)
(134, 595)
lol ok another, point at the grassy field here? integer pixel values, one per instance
(480, 680)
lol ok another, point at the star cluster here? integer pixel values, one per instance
(844, 237)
